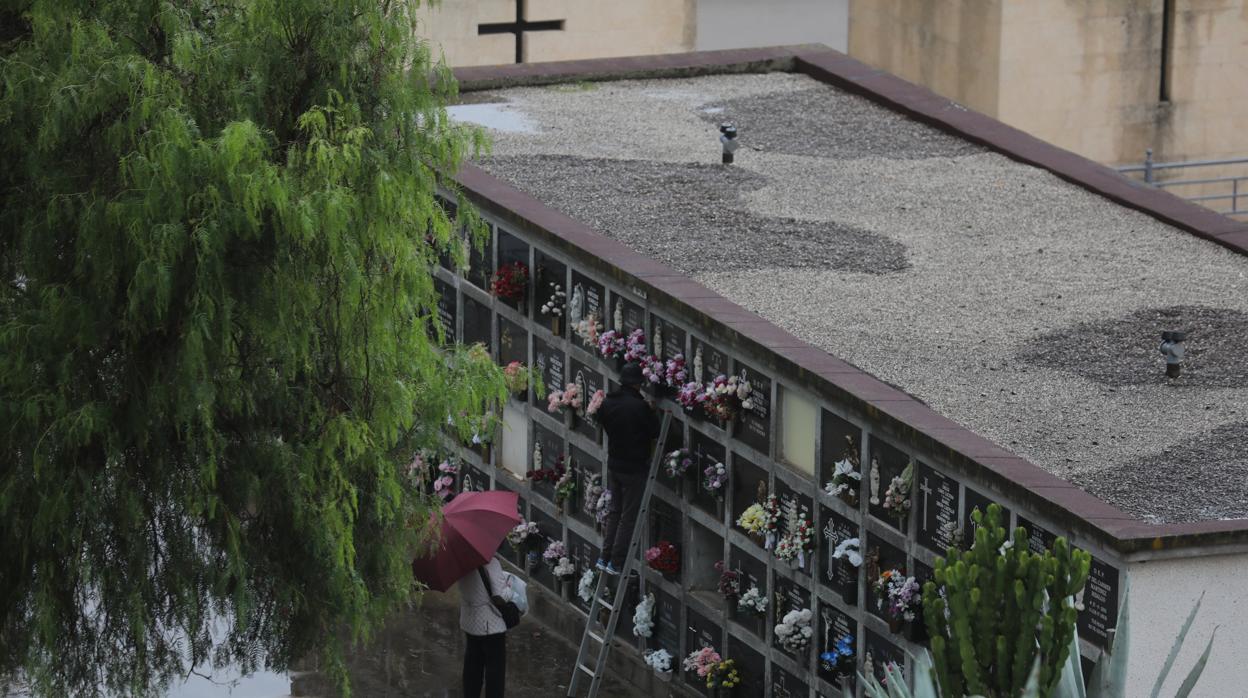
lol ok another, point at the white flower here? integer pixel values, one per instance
(643, 617)
(659, 660)
(585, 588)
(794, 631)
(564, 568)
(747, 405)
(848, 549)
(753, 600)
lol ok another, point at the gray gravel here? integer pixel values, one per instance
(1002, 258)
(821, 122)
(705, 233)
(1124, 351)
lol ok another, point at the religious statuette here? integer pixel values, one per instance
(619, 315)
(576, 307)
(875, 481)
(582, 390)
(658, 341)
(697, 365)
(537, 455)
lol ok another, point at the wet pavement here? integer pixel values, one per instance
(420, 653)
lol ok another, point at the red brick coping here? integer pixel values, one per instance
(1017, 477)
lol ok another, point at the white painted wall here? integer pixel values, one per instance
(1162, 594)
(747, 23)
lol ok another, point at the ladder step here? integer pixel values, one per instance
(595, 636)
(606, 604)
(585, 669)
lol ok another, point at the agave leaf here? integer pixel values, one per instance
(1178, 645)
(870, 687)
(1032, 688)
(1194, 675)
(924, 684)
(897, 686)
(1071, 683)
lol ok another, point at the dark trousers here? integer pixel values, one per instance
(626, 491)
(485, 657)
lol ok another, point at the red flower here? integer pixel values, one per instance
(510, 281)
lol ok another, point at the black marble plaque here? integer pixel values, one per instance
(835, 528)
(922, 572)
(975, 500)
(583, 554)
(549, 362)
(839, 440)
(887, 557)
(665, 523)
(586, 467)
(707, 451)
(550, 273)
(788, 596)
(752, 573)
(879, 653)
(667, 340)
(626, 315)
(751, 667)
(746, 481)
(700, 632)
(552, 451)
(791, 501)
(667, 625)
(477, 324)
(676, 440)
(1039, 538)
(513, 343)
(713, 361)
(1100, 604)
(624, 628)
(481, 261)
(786, 685)
(833, 625)
(446, 311)
(585, 300)
(587, 380)
(936, 508)
(513, 249)
(888, 462)
(551, 531)
(473, 479)
(754, 424)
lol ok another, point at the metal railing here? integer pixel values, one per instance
(1238, 191)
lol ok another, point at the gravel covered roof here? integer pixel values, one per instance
(1023, 307)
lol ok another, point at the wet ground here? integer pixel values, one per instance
(420, 653)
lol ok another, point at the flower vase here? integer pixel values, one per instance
(531, 560)
(850, 497)
(916, 630)
(895, 625)
(849, 591)
(566, 507)
(719, 509)
(555, 326)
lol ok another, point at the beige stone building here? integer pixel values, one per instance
(1104, 78)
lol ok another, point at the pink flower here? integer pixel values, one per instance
(595, 402)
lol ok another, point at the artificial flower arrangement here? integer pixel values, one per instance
(848, 552)
(846, 476)
(590, 494)
(753, 601)
(898, 597)
(663, 558)
(635, 349)
(611, 344)
(643, 617)
(550, 475)
(723, 675)
(753, 520)
(602, 508)
(444, 486)
(677, 463)
(660, 660)
(729, 581)
(556, 301)
(595, 403)
(585, 587)
(554, 552)
(720, 399)
(840, 659)
(588, 330)
(793, 632)
(564, 570)
(562, 401)
(675, 373)
(702, 661)
(897, 496)
(516, 377)
(523, 536)
(417, 472)
(510, 281)
(565, 487)
(715, 479)
(652, 370)
(796, 541)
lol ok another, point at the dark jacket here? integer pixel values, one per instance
(630, 425)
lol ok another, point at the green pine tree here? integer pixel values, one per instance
(217, 225)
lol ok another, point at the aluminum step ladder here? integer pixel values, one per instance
(616, 603)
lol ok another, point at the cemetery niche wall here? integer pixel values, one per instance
(862, 484)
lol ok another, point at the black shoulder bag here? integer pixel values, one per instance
(507, 609)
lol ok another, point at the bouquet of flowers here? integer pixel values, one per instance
(554, 552)
(848, 551)
(677, 463)
(611, 344)
(702, 661)
(729, 581)
(839, 659)
(796, 541)
(753, 600)
(794, 631)
(674, 371)
(652, 370)
(603, 506)
(565, 487)
(545, 474)
(722, 398)
(595, 403)
(516, 376)
(563, 400)
(585, 587)
(723, 675)
(691, 395)
(664, 558)
(564, 570)
(753, 520)
(510, 281)
(715, 479)
(897, 496)
(898, 596)
(643, 617)
(444, 486)
(555, 302)
(590, 495)
(845, 480)
(635, 349)
(522, 535)
(660, 660)
(588, 330)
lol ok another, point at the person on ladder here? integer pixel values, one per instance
(631, 423)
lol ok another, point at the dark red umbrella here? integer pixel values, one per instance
(474, 524)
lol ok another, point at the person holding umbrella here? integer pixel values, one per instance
(474, 526)
(631, 424)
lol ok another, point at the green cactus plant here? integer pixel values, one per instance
(1002, 619)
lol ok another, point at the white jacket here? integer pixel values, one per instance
(477, 615)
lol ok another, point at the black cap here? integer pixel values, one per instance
(631, 375)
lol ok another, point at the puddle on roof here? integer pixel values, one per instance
(497, 117)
